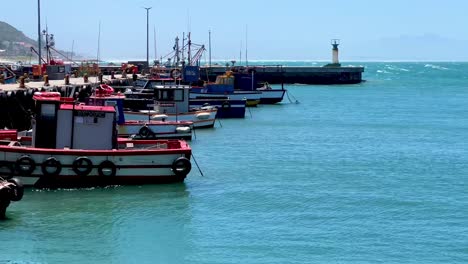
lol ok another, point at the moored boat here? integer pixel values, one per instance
(141, 98)
(77, 146)
(224, 87)
(271, 95)
(171, 103)
(248, 82)
(227, 108)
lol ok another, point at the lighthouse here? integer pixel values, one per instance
(335, 43)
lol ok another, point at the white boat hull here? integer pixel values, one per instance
(200, 119)
(141, 162)
(156, 130)
(251, 96)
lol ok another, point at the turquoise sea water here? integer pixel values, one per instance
(369, 173)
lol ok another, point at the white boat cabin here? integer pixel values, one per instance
(60, 124)
(171, 99)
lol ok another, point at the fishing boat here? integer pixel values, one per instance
(139, 129)
(248, 82)
(227, 108)
(224, 87)
(141, 97)
(271, 95)
(169, 103)
(77, 146)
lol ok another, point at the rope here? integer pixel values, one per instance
(290, 101)
(196, 163)
(194, 133)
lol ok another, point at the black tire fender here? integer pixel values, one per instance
(82, 166)
(51, 162)
(25, 165)
(145, 132)
(107, 165)
(181, 166)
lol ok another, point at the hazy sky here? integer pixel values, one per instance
(293, 29)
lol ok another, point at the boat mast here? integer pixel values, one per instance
(46, 34)
(240, 53)
(73, 46)
(177, 51)
(147, 35)
(246, 60)
(209, 43)
(183, 47)
(155, 51)
(99, 43)
(188, 52)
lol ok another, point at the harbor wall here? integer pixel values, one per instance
(293, 74)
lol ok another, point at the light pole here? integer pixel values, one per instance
(39, 30)
(147, 35)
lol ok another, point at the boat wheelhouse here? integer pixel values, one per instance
(140, 129)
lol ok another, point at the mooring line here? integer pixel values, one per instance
(194, 133)
(196, 163)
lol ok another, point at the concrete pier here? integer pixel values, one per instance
(93, 81)
(275, 74)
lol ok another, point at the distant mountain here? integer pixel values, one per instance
(14, 43)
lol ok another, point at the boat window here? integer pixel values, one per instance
(89, 120)
(114, 104)
(178, 95)
(48, 110)
(166, 95)
(170, 95)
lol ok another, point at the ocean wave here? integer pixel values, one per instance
(382, 71)
(437, 67)
(394, 68)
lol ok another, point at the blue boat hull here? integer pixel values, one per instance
(226, 108)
